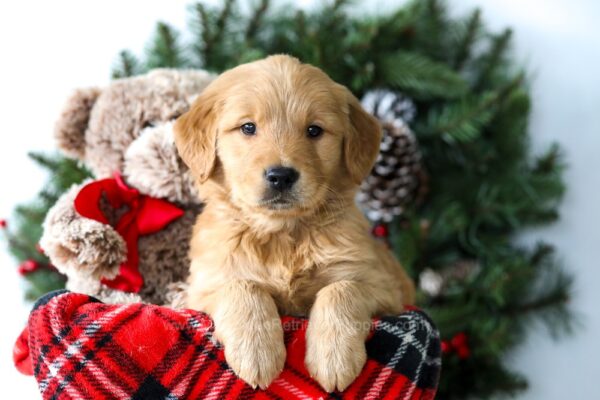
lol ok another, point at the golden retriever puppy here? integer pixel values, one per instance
(278, 150)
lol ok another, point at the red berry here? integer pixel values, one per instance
(459, 340)
(446, 347)
(28, 266)
(3, 223)
(463, 352)
(380, 230)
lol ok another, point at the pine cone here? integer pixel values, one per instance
(435, 283)
(395, 179)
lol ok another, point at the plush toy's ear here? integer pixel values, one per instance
(196, 136)
(361, 144)
(72, 124)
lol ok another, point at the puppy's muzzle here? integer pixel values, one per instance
(281, 179)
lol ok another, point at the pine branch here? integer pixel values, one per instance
(221, 21)
(20, 249)
(256, 20)
(339, 4)
(548, 162)
(31, 213)
(64, 171)
(165, 52)
(431, 29)
(463, 121)
(205, 35)
(333, 14)
(540, 304)
(420, 77)
(127, 65)
(48, 162)
(471, 34)
(300, 23)
(48, 197)
(493, 59)
(436, 11)
(549, 306)
(213, 28)
(42, 281)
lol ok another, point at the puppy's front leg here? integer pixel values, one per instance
(248, 325)
(339, 323)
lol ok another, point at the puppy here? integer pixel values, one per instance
(278, 150)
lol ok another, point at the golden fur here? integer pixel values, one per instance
(253, 260)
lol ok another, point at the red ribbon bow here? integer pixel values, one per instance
(144, 215)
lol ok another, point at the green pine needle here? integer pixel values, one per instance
(466, 40)
(420, 77)
(126, 65)
(165, 51)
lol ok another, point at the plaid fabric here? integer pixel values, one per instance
(80, 348)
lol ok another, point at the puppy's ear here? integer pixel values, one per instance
(196, 136)
(361, 144)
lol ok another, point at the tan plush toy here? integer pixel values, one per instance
(126, 128)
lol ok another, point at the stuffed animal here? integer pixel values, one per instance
(124, 238)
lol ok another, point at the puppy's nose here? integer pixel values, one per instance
(281, 178)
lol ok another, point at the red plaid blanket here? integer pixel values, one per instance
(80, 348)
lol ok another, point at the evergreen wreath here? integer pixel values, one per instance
(470, 107)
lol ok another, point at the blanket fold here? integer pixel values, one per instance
(80, 348)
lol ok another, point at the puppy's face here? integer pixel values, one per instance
(279, 136)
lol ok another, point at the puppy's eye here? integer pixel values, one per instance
(248, 129)
(314, 131)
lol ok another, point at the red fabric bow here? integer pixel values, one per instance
(144, 215)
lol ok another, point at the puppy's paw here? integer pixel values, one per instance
(334, 358)
(257, 357)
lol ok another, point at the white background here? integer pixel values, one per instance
(47, 48)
